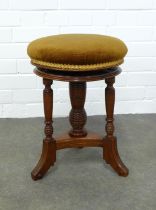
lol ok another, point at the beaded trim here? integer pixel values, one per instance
(69, 67)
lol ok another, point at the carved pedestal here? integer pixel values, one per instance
(77, 115)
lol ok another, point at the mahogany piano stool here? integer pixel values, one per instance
(78, 59)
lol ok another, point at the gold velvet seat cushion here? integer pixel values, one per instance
(77, 52)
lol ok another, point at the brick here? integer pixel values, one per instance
(5, 96)
(132, 33)
(132, 21)
(81, 4)
(150, 92)
(83, 29)
(9, 19)
(133, 4)
(95, 108)
(27, 96)
(126, 18)
(144, 49)
(14, 110)
(29, 34)
(31, 19)
(39, 83)
(13, 51)
(1, 110)
(56, 18)
(124, 107)
(130, 93)
(24, 66)
(9, 82)
(121, 80)
(60, 84)
(146, 18)
(96, 84)
(154, 33)
(77, 29)
(34, 110)
(6, 35)
(18, 110)
(61, 95)
(135, 107)
(104, 18)
(95, 94)
(99, 30)
(56, 84)
(139, 64)
(154, 6)
(135, 18)
(79, 18)
(34, 5)
(7, 66)
(61, 109)
(4, 4)
(143, 79)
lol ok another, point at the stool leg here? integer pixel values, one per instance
(110, 151)
(77, 115)
(48, 156)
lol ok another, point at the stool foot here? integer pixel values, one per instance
(111, 156)
(48, 158)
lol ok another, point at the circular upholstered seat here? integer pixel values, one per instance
(77, 52)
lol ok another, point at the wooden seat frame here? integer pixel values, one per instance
(78, 136)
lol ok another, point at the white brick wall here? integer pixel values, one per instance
(22, 21)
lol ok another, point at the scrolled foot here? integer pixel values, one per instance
(48, 158)
(111, 156)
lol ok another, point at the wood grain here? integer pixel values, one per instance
(110, 151)
(48, 156)
(78, 137)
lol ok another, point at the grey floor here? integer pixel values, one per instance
(80, 179)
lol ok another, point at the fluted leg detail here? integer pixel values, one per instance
(110, 151)
(48, 156)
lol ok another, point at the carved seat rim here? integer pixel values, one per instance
(87, 76)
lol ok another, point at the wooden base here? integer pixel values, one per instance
(48, 158)
(78, 137)
(66, 141)
(109, 145)
(111, 156)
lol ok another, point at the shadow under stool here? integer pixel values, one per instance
(78, 59)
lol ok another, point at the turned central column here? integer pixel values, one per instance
(77, 116)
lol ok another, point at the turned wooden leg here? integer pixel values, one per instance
(48, 156)
(110, 151)
(77, 115)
